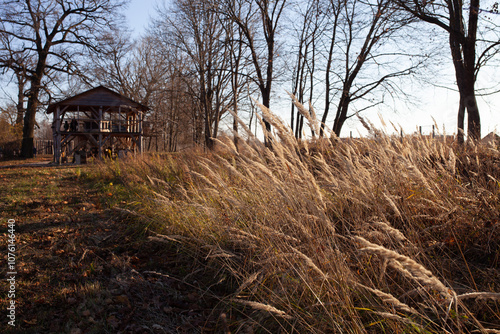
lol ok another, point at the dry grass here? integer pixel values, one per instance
(360, 236)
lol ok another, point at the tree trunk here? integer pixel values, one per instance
(297, 125)
(235, 65)
(235, 117)
(216, 120)
(266, 99)
(342, 109)
(208, 133)
(340, 120)
(20, 100)
(301, 127)
(30, 115)
(469, 50)
(473, 119)
(463, 51)
(327, 85)
(460, 122)
(327, 75)
(29, 125)
(465, 76)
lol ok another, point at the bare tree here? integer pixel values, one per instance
(17, 63)
(236, 63)
(113, 65)
(258, 18)
(136, 69)
(371, 57)
(464, 37)
(9, 114)
(53, 33)
(149, 73)
(7, 123)
(334, 11)
(313, 25)
(176, 113)
(353, 50)
(20, 80)
(193, 27)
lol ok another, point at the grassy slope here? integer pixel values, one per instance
(82, 265)
(369, 236)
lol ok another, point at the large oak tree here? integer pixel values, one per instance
(53, 34)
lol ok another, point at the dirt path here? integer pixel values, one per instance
(83, 267)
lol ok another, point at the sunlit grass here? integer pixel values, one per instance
(378, 234)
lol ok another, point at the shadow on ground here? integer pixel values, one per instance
(85, 268)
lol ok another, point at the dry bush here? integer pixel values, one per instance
(368, 235)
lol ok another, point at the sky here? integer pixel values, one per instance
(139, 13)
(434, 105)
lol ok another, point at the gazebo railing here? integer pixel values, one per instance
(86, 125)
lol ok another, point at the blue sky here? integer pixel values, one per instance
(138, 14)
(439, 104)
(436, 104)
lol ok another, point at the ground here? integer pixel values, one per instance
(85, 266)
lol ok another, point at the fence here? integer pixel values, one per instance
(44, 146)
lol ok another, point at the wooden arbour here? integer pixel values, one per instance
(97, 122)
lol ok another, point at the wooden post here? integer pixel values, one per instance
(57, 136)
(139, 128)
(140, 121)
(54, 140)
(433, 134)
(100, 132)
(420, 130)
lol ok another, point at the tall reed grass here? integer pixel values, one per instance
(380, 234)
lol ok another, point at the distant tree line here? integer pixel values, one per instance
(203, 61)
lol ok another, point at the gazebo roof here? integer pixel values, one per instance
(96, 97)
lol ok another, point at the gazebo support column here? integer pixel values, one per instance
(57, 136)
(100, 132)
(141, 115)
